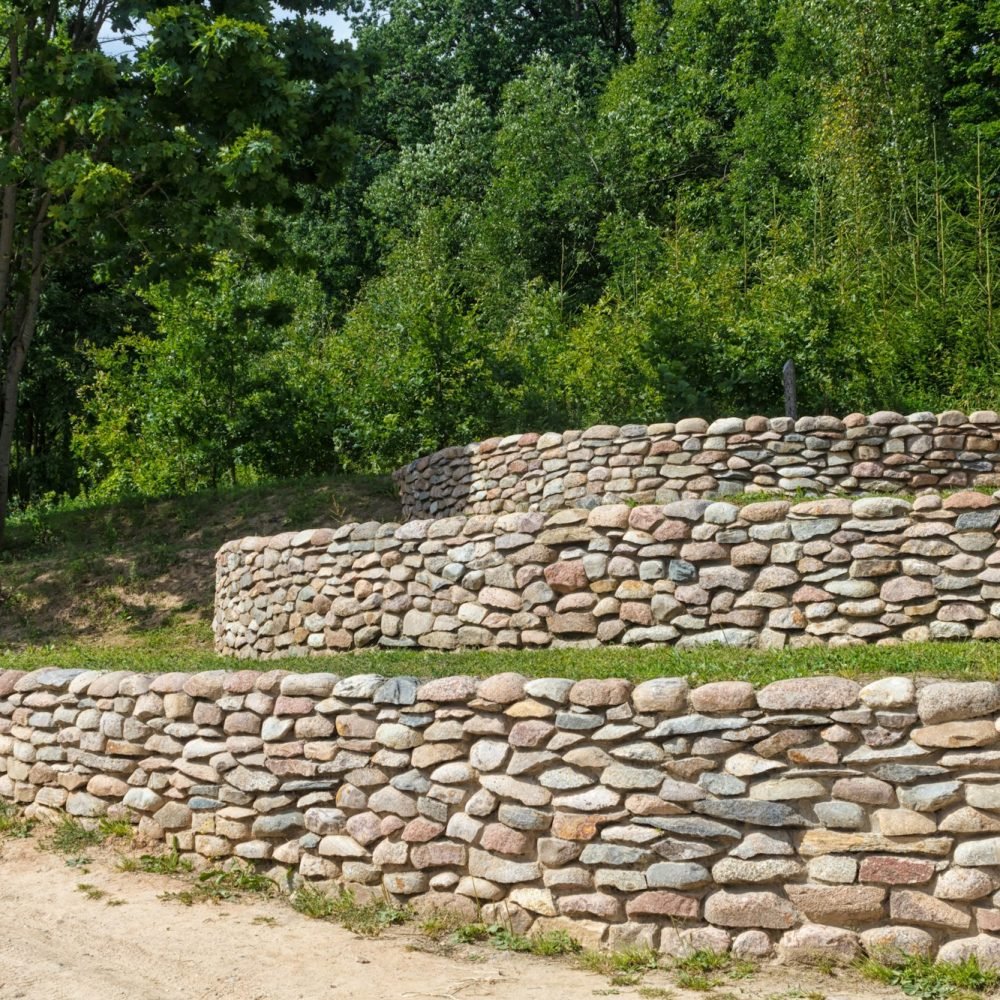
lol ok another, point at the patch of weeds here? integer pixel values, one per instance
(472, 933)
(312, 902)
(265, 921)
(703, 960)
(236, 880)
(545, 945)
(216, 885)
(71, 836)
(655, 993)
(13, 823)
(115, 902)
(441, 923)
(623, 968)
(825, 964)
(170, 863)
(369, 919)
(795, 994)
(696, 981)
(928, 980)
(120, 829)
(81, 861)
(90, 891)
(694, 971)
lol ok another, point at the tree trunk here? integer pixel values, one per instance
(24, 321)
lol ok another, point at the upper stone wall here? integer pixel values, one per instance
(692, 458)
(838, 571)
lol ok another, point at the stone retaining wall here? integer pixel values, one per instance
(810, 817)
(692, 458)
(878, 569)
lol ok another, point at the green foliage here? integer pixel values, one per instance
(218, 885)
(545, 944)
(624, 967)
(369, 919)
(170, 863)
(70, 836)
(232, 384)
(557, 214)
(13, 823)
(929, 980)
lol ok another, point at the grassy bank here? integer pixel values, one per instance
(136, 579)
(130, 586)
(160, 652)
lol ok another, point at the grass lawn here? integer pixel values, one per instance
(130, 586)
(162, 652)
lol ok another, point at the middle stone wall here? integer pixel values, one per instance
(878, 569)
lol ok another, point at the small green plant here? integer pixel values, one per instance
(13, 823)
(216, 885)
(625, 967)
(236, 880)
(120, 829)
(696, 981)
(90, 891)
(265, 921)
(369, 919)
(655, 993)
(440, 923)
(703, 960)
(71, 836)
(312, 902)
(503, 938)
(170, 863)
(928, 980)
(695, 971)
(547, 944)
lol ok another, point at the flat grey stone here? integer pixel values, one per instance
(396, 691)
(687, 725)
(690, 826)
(677, 875)
(751, 811)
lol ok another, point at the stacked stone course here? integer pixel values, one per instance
(885, 451)
(813, 816)
(770, 574)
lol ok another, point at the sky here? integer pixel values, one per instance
(114, 46)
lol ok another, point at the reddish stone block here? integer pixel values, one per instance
(896, 871)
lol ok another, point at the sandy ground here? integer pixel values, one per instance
(56, 944)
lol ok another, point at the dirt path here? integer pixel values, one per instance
(56, 944)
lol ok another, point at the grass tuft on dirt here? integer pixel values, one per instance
(368, 919)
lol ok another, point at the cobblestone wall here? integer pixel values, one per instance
(772, 574)
(813, 816)
(664, 462)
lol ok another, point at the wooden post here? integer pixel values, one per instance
(791, 402)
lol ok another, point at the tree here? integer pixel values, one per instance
(234, 382)
(154, 158)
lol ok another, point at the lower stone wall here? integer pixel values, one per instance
(813, 816)
(771, 574)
